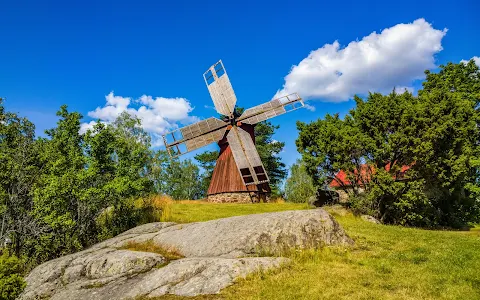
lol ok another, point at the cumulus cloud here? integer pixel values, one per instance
(158, 115)
(378, 62)
(403, 89)
(86, 126)
(476, 59)
(210, 107)
(309, 107)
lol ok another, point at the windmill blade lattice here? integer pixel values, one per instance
(246, 157)
(194, 136)
(271, 109)
(220, 89)
(211, 130)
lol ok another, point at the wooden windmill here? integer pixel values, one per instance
(239, 175)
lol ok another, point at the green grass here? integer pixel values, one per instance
(198, 211)
(387, 262)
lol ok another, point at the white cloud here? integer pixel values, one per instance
(210, 107)
(378, 62)
(403, 89)
(476, 59)
(309, 107)
(86, 126)
(158, 115)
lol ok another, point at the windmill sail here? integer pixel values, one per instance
(194, 136)
(211, 130)
(220, 89)
(271, 109)
(246, 157)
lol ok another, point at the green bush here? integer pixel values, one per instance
(299, 185)
(11, 281)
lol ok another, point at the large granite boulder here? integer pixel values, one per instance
(216, 253)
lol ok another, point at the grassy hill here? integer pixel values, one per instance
(387, 262)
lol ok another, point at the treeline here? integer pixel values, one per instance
(55, 189)
(435, 134)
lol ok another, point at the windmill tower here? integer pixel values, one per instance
(239, 175)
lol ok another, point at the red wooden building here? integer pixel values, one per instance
(341, 179)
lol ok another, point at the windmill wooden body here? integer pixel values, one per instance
(239, 175)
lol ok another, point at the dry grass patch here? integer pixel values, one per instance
(157, 208)
(169, 253)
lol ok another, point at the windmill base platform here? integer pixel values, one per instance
(227, 186)
(245, 197)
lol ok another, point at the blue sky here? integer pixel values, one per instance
(76, 53)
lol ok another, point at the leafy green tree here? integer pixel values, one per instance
(58, 197)
(207, 162)
(436, 134)
(132, 156)
(86, 174)
(180, 179)
(449, 149)
(54, 190)
(119, 169)
(11, 281)
(330, 145)
(98, 193)
(20, 171)
(158, 171)
(299, 185)
(183, 180)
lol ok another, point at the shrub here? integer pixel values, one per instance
(278, 200)
(11, 281)
(115, 220)
(155, 208)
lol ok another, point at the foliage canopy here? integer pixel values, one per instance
(436, 134)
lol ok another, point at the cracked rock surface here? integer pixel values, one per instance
(216, 254)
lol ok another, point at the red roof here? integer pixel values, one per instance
(341, 179)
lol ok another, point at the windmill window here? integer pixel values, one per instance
(182, 148)
(262, 177)
(259, 170)
(177, 135)
(219, 70)
(209, 77)
(293, 106)
(174, 136)
(169, 138)
(245, 172)
(248, 179)
(172, 151)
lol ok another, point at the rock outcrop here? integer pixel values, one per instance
(370, 219)
(216, 253)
